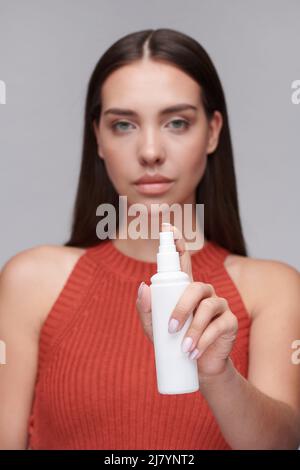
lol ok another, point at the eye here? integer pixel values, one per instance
(182, 121)
(184, 124)
(115, 125)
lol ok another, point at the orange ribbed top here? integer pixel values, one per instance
(96, 382)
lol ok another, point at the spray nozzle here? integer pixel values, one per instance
(166, 242)
(167, 256)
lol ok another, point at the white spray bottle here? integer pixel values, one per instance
(175, 372)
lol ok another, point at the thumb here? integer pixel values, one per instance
(184, 254)
(143, 306)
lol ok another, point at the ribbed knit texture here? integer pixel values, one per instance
(96, 382)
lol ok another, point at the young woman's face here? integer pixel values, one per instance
(149, 141)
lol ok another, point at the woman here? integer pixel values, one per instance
(80, 370)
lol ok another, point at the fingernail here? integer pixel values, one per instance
(195, 354)
(140, 290)
(173, 324)
(187, 343)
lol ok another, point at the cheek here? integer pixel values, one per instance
(191, 153)
(118, 168)
(198, 167)
(191, 163)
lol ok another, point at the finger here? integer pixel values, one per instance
(189, 300)
(184, 254)
(208, 309)
(144, 299)
(225, 328)
(143, 306)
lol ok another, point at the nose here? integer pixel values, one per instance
(151, 159)
(151, 153)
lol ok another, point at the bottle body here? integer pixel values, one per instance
(175, 372)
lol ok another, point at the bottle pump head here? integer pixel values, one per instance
(167, 256)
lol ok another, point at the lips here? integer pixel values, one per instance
(156, 184)
(147, 179)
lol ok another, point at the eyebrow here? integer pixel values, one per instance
(170, 109)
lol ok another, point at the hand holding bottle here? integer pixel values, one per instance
(211, 334)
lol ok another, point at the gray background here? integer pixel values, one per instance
(48, 50)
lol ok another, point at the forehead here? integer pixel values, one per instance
(149, 83)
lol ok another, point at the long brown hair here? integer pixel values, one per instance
(217, 188)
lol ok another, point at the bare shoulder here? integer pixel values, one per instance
(38, 274)
(260, 280)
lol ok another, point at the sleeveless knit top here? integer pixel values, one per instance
(96, 379)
